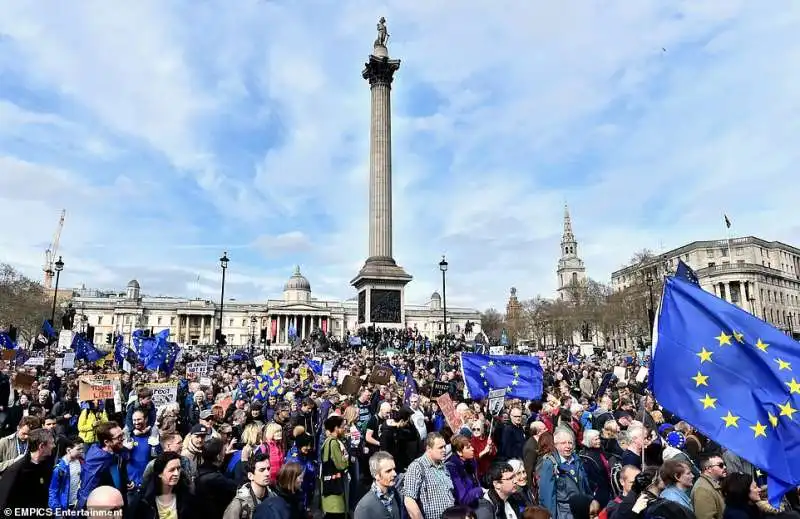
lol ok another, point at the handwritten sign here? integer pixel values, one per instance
(69, 360)
(65, 340)
(449, 411)
(98, 387)
(163, 392)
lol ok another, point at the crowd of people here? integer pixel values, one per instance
(594, 445)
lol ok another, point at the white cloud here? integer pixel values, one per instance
(171, 130)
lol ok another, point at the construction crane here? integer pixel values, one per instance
(51, 253)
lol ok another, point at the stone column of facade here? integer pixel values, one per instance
(202, 328)
(286, 328)
(302, 326)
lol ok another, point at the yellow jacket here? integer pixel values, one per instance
(86, 422)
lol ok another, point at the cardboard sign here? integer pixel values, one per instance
(95, 388)
(439, 388)
(327, 368)
(350, 385)
(205, 381)
(497, 398)
(340, 376)
(163, 392)
(381, 375)
(23, 381)
(641, 375)
(259, 361)
(621, 373)
(449, 412)
(497, 350)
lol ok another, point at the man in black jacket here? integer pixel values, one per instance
(25, 483)
(213, 490)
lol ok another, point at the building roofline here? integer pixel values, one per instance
(704, 244)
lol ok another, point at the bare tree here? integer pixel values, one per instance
(642, 256)
(24, 303)
(492, 323)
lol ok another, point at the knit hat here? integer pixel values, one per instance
(676, 440)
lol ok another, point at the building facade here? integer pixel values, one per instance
(571, 270)
(760, 276)
(193, 321)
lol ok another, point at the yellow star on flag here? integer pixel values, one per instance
(700, 379)
(723, 339)
(794, 386)
(762, 345)
(515, 382)
(787, 409)
(782, 364)
(773, 420)
(708, 402)
(759, 430)
(731, 420)
(491, 363)
(739, 336)
(705, 356)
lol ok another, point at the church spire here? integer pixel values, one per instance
(569, 246)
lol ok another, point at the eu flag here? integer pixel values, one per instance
(6, 342)
(685, 272)
(731, 375)
(520, 375)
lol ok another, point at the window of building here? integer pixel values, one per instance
(127, 319)
(112, 319)
(724, 253)
(710, 253)
(244, 323)
(230, 322)
(172, 321)
(99, 320)
(686, 258)
(158, 321)
(711, 264)
(781, 297)
(740, 262)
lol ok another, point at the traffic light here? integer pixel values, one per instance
(263, 335)
(109, 338)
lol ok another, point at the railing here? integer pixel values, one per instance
(740, 268)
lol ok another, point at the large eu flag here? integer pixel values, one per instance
(731, 375)
(521, 376)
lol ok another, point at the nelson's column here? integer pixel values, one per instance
(381, 281)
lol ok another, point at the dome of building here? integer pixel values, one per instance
(297, 282)
(435, 295)
(133, 284)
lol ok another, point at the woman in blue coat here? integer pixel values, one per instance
(464, 472)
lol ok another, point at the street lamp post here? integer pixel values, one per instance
(791, 327)
(223, 262)
(752, 300)
(253, 321)
(651, 313)
(443, 268)
(59, 266)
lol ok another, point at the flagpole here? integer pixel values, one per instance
(728, 231)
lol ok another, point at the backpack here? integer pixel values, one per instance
(615, 463)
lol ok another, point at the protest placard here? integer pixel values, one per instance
(439, 388)
(449, 412)
(69, 360)
(65, 340)
(381, 375)
(93, 388)
(196, 369)
(350, 385)
(163, 392)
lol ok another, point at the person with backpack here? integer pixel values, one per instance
(561, 475)
(252, 493)
(598, 469)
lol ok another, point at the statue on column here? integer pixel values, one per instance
(383, 35)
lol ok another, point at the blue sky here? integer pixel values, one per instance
(171, 131)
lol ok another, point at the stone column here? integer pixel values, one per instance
(379, 72)
(302, 326)
(286, 328)
(202, 328)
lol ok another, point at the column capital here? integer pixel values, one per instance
(380, 70)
